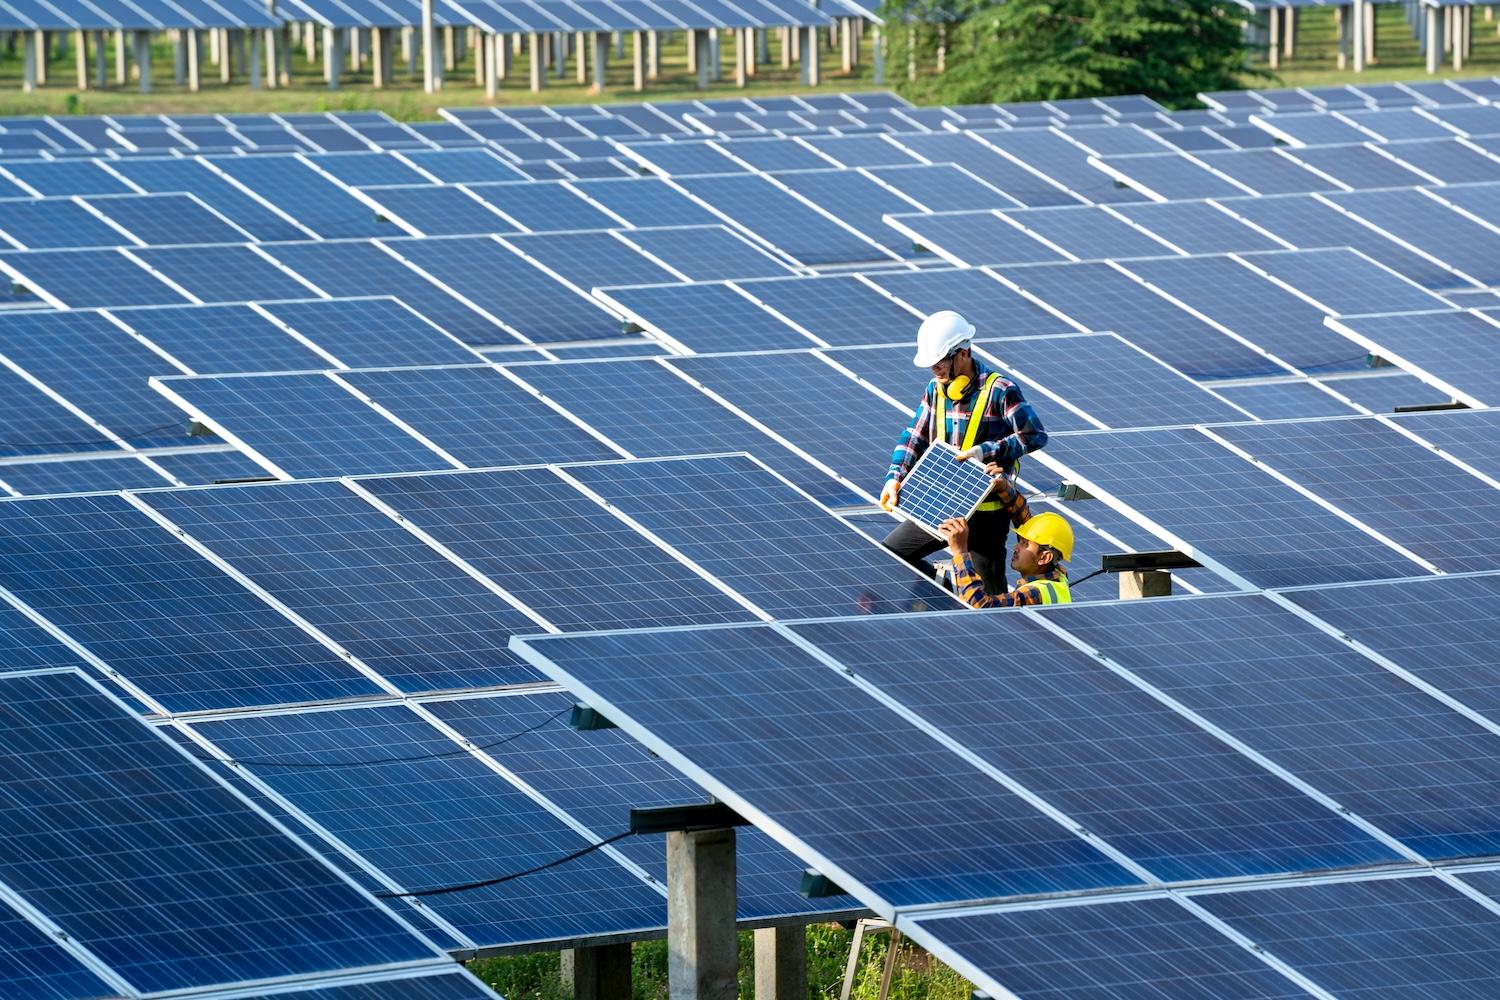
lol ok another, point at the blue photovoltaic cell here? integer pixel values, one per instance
(27, 647)
(162, 219)
(1133, 950)
(514, 291)
(477, 415)
(995, 309)
(772, 729)
(646, 202)
(1088, 233)
(1482, 200)
(989, 166)
(609, 397)
(861, 150)
(620, 347)
(1280, 400)
(315, 201)
(461, 166)
(1178, 801)
(1063, 162)
(1088, 372)
(978, 238)
(1193, 139)
(364, 169)
(772, 154)
(591, 260)
(1311, 129)
(455, 820)
(357, 575)
(1448, 160)
(192, 863)
(676, 159)
(52, 223)
(365, 333)
(208, 466)
(357, 268)
(942, 187)
(1227, 509)
(558, 553)
(439, 210)
(598, 777)
(939, 487)
(57, 178)
(33, 423)
(1472, 436)
(83, 278)
(96, 366)
(706, 253)
(707, 317)
(446, 986)
(1099, 297)
(787, 555)
(1113, 139)
(1417, 937)
(840, 310)
(1172, 176)
(775, 389)
(305, 424)
(1358, 166)
(1457, 348)
(1400, 621)
(543, 207)
(854, 199)
(1395, 124)
(213, 190)
(1383, 391)
(223, 274)
(1350, 728)
(1344, 282)
(34, 965)
(1349, 463)
(1430, 226)
(216, 340)
(757, 205)
(1258, 310)
(81, 475)
(1266, 171)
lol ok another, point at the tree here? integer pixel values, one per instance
(1033, 50)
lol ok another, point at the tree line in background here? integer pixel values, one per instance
(1034, 50)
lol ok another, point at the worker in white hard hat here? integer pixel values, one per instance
(985, 417)
(1044, 544)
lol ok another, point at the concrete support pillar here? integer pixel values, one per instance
(1341, 32)
(356, 60)
(699, 51)
(1434, 43)
(702, 946)
(619, 41)
(846, 37)
(101, 61)
(380, 58)
(1273, 50)
(740, 58)
(333, 55)
(39, 42)
(256, 55)
(601, 62)
(484, 64)
(715, 56)
(28, 64)
(811, 56)
(1289, 42)
(638, 61)
(1358, 11)
(1145, 583)
(786, 47)
(911, 52)
(877, 48)
(143, 59)
(781, 963)
(409, 50)
(81, 54)
(502, 57)
(1457, 30)
(763, 46)
(429, 51)
(538, 71)
(601, 973)
(122, 61)
(226, 57)
(580, 57)
(690, 37)
(747, 37)
(449, 49)
(653, 55)
(194, 59)
(179, 57)
(274, 43)
(942, 47)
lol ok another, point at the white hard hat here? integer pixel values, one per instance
(940, 335)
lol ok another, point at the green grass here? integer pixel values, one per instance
(918, 976)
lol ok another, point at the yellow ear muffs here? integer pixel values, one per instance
(955, 389)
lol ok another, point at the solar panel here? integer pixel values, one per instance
(965, 238)
(160, 219)
(705, 317)
(115, 473)
(939, 487)
(1099, 297)
(1394, 124)
(1110, 139)
(167, 175)
(1358, 166)
(43, 223)
(215, 340)
(705, 253)
(207, 466)
(589, 260)
(1226, 509)
(445, 985)
(1458, 351)
(32, 422)
(79, 279)
(438, 210)
(850, 763)
(676, 159)
(130, 892)
(364, 169)
(1431, 226)
(355, 268)
(1310, 129)
(942, 187)
(1384, 391)
(1171, 176)
(543, 207)
(989, 166)
(303, 425)
(1480, 200)
(65, 177)
(838, 310)
(1343, 281)
(856, 200)
(362, 579)
(1061, 161)
(370, 332)
(461, 166)
(1156, 947)
(1257, 310)
(33, 964)
(996, 309)
(322, 205)
(755, 204)
(1299, 399)
(645, 202)
(1447, 160)
(1087, 233)
(1196, 226)
(223, 274)
(861, 150)
(573, 563)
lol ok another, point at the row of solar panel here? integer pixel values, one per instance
(1353, 96)
(132, 15)
(1249, 724)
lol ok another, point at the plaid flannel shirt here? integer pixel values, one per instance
(1010, 428)
(969, 585)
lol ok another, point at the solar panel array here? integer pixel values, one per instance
(542, 372)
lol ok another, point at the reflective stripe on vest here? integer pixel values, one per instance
(1051, 591)
(971, 430)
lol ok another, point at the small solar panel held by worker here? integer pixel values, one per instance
(939, 487)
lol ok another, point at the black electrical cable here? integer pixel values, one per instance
(465, 886)
(1081, 579)
(272, 762)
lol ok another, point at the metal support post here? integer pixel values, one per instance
(763, 46)
(619, 38)
(1341, 31)
(1273, 50)
(1360, 11)
(429, 39)
(226, 57)
(255, 58)
(81, 54)
(715, 56)
(143, 59)
(601, 973)
(653, 55)
(356, 60)
(747, 37)
(877, 48)
(690, 39)
(101, 60)
(28, 61)
(699, 50)
(638, 60)
(740, 58)
(538, 72)
(502, 57)
(122, 61)
(1434, 41)
(272, 45)
(846, 38)
(194, 60)
(449, 63)
(40, 39)
(811, 58)
(786, 47)
(380, 57)
(601, 62)
(702, 945)
(333, 55)
(1289, 42)
(781, 963)
(581, 57)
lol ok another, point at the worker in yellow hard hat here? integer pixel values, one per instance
(1044, 544)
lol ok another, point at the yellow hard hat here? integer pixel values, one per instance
(1051, 529)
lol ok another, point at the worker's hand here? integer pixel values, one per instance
(994, 469)
(889, 494)
(956, 531)
(969, 453)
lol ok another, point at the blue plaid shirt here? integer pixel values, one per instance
(1010, 427)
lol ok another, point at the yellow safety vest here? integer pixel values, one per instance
(1051, 591)
(971, 431)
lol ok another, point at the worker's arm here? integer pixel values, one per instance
(1019, 429)
(913, 441)
(969, 586)
(1011, 500)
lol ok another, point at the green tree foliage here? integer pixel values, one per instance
(1034, 50)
